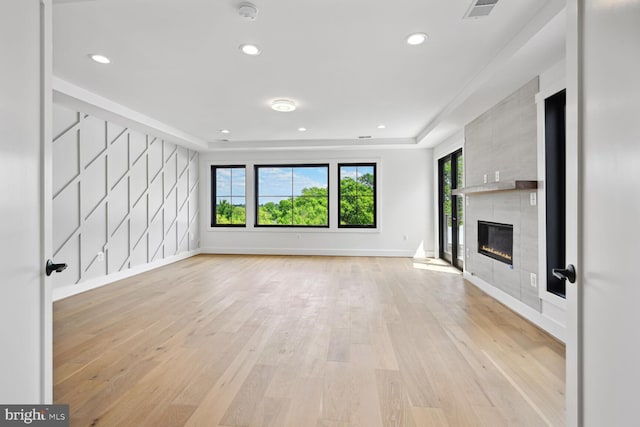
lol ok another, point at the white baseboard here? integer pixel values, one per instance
(311, 251)
(70, 290)
(546, 323)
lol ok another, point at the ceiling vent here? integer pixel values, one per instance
(480, 8)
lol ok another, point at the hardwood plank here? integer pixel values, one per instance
(170, 416)
(395, 408)
(249, 396)
(332, 423)
(217, 400)
(337, 391)
(306, 405)
(418, 384)
(364, 401)
(339, 345)
(385, 355)
(432, 417)
(270, 412)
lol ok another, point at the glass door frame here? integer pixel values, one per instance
(454, 259)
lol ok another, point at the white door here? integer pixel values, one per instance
(25, 356)
(607, 106)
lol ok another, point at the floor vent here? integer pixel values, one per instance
(480, 8)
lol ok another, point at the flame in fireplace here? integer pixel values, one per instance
(496, 252)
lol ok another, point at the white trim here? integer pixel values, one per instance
(555, 87)
(46, 217)
(574, 128)
(397, 253)
(534, 316)
(315, 144)
(70, 290)
(552, 311)
(83, 100)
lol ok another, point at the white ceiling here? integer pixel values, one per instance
(345, 63)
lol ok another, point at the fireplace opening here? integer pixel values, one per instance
(495, 240)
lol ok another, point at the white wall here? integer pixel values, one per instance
(123, 201)
(405, 207)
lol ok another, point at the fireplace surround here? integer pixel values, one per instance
(505, 139)
(495, 240)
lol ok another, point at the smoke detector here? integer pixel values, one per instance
(248, 11)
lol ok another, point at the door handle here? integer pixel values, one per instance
(51, 267)
(568, 273)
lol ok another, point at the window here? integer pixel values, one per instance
(292, 195)
(357, 195)
(228, 196)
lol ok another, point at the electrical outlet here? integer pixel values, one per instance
(534, 280)
(100, 256)
(405, 237)
(299, 236)
(497, 176)
(533, 199)
(467, 252)
(466, 201)
(485, 178)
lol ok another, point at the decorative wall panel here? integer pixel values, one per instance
(121, 199)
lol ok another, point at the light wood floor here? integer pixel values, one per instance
(301, 342)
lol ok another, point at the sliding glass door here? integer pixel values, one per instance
(451, 209)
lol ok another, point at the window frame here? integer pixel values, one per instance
(214, 197)
(375, 195)
(256, 177)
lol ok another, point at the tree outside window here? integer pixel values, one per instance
(229, 196)
(357, 195)
(292, 196)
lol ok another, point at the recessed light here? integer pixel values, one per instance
(283, 105)
(416, 38)
(101, 59)
(250, 49)
(302, 129)
(382, 127)
(225, 131)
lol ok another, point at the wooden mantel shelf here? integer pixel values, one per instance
(497, 186)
